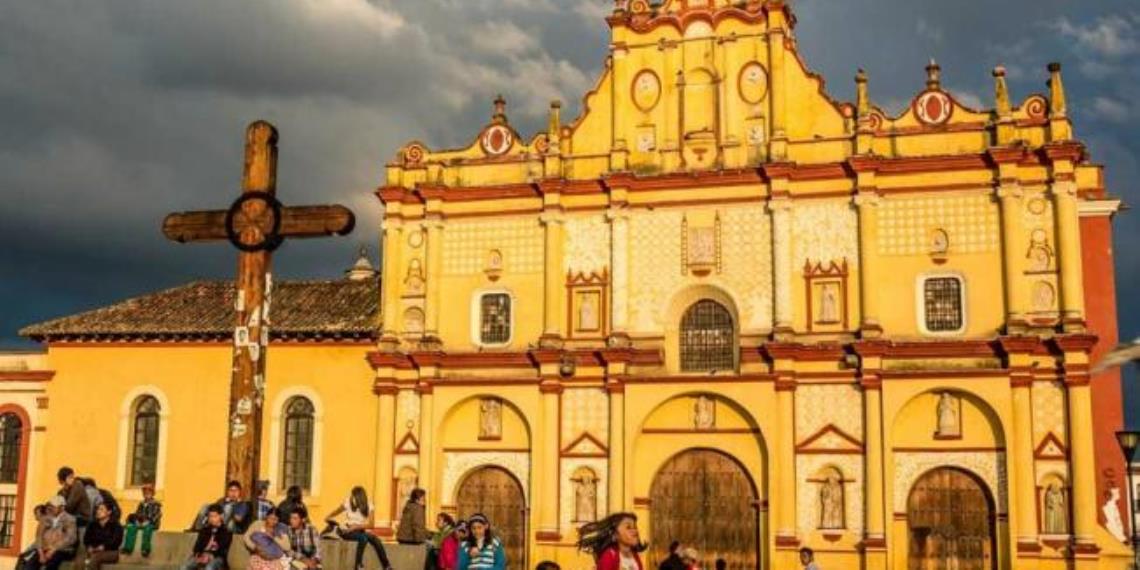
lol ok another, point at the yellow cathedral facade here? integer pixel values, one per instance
(759, 318)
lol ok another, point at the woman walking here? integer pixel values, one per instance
(482, 550)
(358, 515)
(614, 542)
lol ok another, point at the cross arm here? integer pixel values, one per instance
(296, 222)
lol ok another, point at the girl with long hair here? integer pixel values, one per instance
(358, 516)
(614, 542)
(482, 550)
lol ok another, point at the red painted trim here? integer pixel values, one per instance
(947, 449)
(26, 375)
(1039, 451)
(805, 445)
(586, 436)
(21, 475)
(683, 431)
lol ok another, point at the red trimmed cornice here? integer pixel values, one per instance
(1065, 150)
(1075, 342)
(1019, 344)
(1007, 155)
(26, 375)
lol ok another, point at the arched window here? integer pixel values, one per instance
(707, 338)
(297, 465)
(144, 441)
(11, 432)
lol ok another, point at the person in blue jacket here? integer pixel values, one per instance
(482, 550)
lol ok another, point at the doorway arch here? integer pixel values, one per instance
(951, 522)
(705, 499)
(494, 492)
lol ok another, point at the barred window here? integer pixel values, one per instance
(11, 433)
(495, 318)
(707, 338)
(144, 443)
(298, 457)
(942, 299)
(7, 520)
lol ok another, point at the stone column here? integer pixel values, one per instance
(385, 432)
(554, 279)
(781, 208)
(1081, 451)
(873, 493)
(550, 475)
(1013, 255)
(1025, 527)
(1069, 252)
(619, 261)
(778, 146)
(426, 457)
(393, 243)
(434, 230)
(785, 460)
(616, 458)
(867, 201)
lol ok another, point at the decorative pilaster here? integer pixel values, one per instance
(1065, 206)
(619, 260)
(867, 202)
(875, 537)
(548, 485)
(385, 444)
(1082, 459)
(777, 35)
(1019, 360)
(554, 280)
(785, 457)
(434, 230)
(427, 469)
(781, 208)
(1013, 254)
(393, 244)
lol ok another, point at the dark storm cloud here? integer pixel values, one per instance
(113, 113)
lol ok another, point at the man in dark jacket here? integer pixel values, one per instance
(413, 527)
(76, 502)
(102, 539)
(673, 562)
(213, 544)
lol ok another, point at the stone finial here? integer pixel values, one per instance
(500, 113)
(1057, 105)
(554, 126)
(933, 75)
(362, 269)
(1001, 92)
(862, 101)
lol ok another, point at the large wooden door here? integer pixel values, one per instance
(705, 500)
(950, 519)
(497, 494)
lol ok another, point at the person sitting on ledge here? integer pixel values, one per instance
(147, 518)
(304, 541)
(235, 511)
(413, 523)
(267, 541)
(102, 539)
(57, 539)
(213, 544)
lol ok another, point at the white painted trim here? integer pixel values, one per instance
(1095, 208)
(126, 425)
(920, 302)
(277, 440)
(477, 316)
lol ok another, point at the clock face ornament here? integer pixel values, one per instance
(646, 90)
(753, 83)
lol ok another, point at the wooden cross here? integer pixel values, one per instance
(256, 224)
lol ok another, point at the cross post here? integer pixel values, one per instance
(256, 224)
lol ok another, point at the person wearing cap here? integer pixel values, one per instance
(482, 550)
(57, 538)
(146, 518)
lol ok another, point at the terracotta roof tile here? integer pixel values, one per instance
(342, 308)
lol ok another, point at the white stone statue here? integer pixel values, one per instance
(831, 502)
(407, 483)
(829, 303)
(490, 419)
(1112, 521)
(1056, 513)
(585, 498)
(704, 413)
(948, 420)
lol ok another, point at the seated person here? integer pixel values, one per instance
(304, 541)
(213, 544)
(294, 499)
(235, 510)
(102, 540)
(58, 537)
(146, 518)
(267, 541)
(263, 502)
(78, 504)
(40, 515)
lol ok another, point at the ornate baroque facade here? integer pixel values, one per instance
(757, 317)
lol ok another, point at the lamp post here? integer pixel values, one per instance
(1129, 441)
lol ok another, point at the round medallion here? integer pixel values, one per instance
(416, 238)
(1044, 296)
(497, 140)
(414, 153)
(542, 144)
(933, 108)
(1038, 236)
(646, 90)
(753, 83)
(1037, 206)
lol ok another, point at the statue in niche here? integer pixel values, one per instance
(831, 502)
(407, 482)
(585, 497)
(490, 419)
(829, 303)
(414, 280)
(1040, 255)
(1056, 513)
(949, 424)
(704, 413)
(702, 246)
(588, 312)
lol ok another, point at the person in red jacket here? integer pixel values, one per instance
(449, 547)
(614, 542)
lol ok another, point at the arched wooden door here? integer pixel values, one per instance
(950, 519)
(705, 500)
(497, 494)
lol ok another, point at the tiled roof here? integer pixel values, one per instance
(205, 309)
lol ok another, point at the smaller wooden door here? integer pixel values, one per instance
(496, 494)
(950, 519)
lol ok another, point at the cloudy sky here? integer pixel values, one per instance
(114, 112)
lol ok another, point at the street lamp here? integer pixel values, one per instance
(1129, 441)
